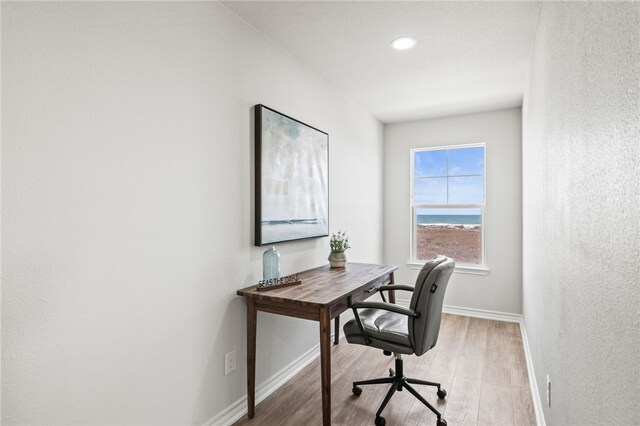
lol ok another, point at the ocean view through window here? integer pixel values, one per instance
(447, 203)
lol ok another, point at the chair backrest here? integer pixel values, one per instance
(427, 299)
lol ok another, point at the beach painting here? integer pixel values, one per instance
(292, 179)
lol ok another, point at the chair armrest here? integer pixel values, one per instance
(395, 287)
(387, 307)
(391, 287)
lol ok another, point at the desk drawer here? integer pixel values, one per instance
(369, 290)
(362, 294)
(359, 295)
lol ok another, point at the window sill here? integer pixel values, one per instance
(459, 269)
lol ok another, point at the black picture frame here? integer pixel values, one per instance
(291, 179)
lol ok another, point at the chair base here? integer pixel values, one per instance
(398, 383)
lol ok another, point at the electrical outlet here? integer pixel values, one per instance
(230, 362)
(548, 391)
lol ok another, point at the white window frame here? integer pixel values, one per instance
(469, 268)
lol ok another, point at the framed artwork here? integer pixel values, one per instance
(292, 179)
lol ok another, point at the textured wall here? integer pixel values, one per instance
(127, 207)
(581, 213)
(501, 131)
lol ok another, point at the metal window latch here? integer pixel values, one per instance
(434, 288)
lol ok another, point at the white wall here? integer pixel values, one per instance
(501, 289)
(581, 214)
(127, 202)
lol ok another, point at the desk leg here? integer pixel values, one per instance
(325, 365)
(251, 356)
(336, 331)
(392, 293)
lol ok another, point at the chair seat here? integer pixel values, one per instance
(383, 326)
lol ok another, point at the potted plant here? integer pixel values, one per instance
(339, 242)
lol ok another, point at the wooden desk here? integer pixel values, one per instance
(323, 295)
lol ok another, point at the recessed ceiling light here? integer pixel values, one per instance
(403, 43)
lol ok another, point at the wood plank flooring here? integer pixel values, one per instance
(479, 362)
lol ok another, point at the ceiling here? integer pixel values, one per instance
(470, 56)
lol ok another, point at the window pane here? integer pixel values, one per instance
(466, 190)
(430, 163)
(430, 190)
(466, 161)
(456, 233)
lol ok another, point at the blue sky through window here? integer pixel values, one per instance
(449, 176)
(430, 163)
(466, 161)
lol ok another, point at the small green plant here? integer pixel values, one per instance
(339, 242)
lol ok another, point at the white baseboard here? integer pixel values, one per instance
(472, 312)
(482, 313)
(239, 408)
(533, 384)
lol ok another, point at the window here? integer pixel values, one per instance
(447, 203)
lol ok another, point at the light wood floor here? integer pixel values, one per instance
(479, 362)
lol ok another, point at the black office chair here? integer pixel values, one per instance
(412, 330)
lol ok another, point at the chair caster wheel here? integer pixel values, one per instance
(441, 394)
(391, 372)
(380, 421)
(441, 422)
(356, 390)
